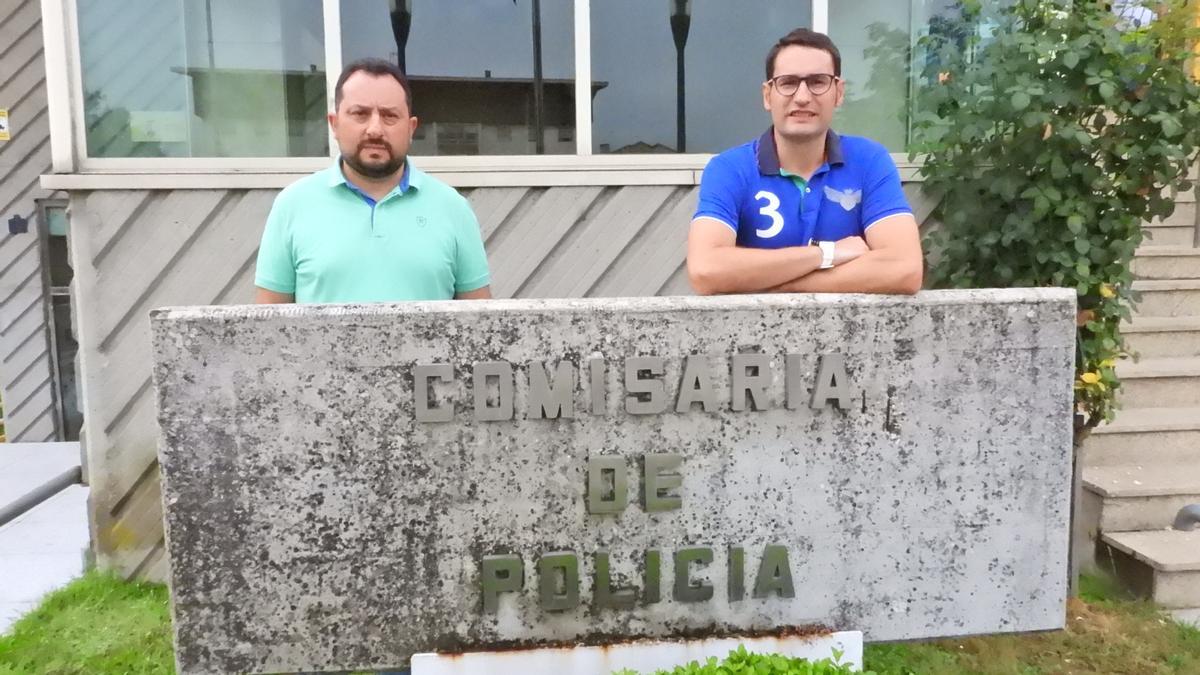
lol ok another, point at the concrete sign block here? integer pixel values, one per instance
(346, 486)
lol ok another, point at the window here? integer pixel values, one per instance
(53, 215)
(882, 64)
(480, 63)
(203, 78)
(235, 79)
(643, 102)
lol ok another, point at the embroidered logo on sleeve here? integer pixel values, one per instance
(848, 199)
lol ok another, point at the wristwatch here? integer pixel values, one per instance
(827, 248)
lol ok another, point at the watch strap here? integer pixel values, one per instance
(827, 251)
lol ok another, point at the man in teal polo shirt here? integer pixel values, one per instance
(372, 227)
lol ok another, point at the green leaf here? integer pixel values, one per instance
(1020, 100)
(1108, 90)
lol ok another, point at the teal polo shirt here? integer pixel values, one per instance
(326, 241)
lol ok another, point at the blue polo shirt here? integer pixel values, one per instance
(855, 188)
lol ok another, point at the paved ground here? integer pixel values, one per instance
(43, 548)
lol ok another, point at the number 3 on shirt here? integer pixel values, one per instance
(771, 210)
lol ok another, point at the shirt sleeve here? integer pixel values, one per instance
(470, 261)
(883, 196)
(719, 189)
(275, 269)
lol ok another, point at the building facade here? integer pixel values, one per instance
(153, 135)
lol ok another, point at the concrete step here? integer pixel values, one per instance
(1156, 337)
(1146, 435)
(1168, 297)
(1183, 216)
(1145, 496)
(1175, 231)
(1160, 383)
(1162, 565)
(1167, 262)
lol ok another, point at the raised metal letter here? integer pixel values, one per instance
(652, 577)
(832, 383)
(422, 374)
(774, 574)
(661, 474)
(737, 573)
(695, 386)
(601, 498)
(499, 574)
(685, 591)
(551, 401)
(503, 372)
(607, 597)
(597, 370)
(653, 387)
(552, 567)
(793, 381)
(756, 387)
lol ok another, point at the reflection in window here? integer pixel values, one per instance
(882, 64)
(475, 71)
(640, 92)
(203, 78)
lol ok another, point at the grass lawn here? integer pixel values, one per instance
(100, 625)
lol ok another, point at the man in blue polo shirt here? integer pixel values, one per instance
(372, 227)
(802, 209)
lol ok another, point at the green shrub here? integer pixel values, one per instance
(742, 662)
(1051, 136)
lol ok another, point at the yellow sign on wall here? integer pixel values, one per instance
(4, 132)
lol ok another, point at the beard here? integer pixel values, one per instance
(374, 169)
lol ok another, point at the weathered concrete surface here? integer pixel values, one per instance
(313, 523)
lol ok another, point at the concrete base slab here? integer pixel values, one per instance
(643, 657)
(42, 550)
(1190, 617)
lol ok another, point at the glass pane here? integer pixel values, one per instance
(639, 93)
(203, 78)
(65, 355)
(882, 64)
(60, 262)
(472, 69)
(56, 220)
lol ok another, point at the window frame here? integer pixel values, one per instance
(69, 133)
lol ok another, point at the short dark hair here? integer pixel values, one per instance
(378, 68)
(803, 37)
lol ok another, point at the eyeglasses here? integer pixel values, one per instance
(817, 84)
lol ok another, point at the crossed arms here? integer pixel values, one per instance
(886, 260)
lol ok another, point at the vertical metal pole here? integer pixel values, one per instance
(681, 22)
(401, 15)
(212, 53)
(680, 98)
(538, 123)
